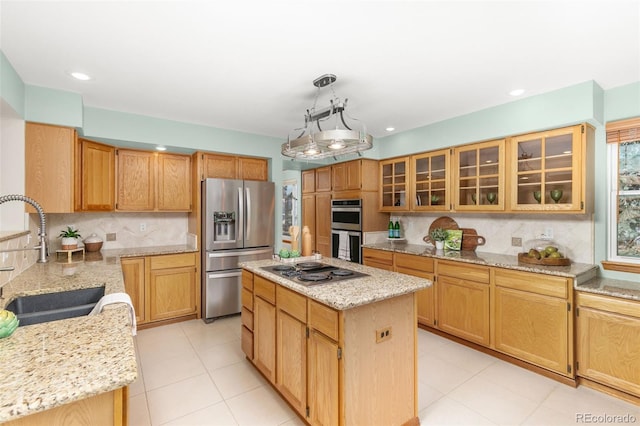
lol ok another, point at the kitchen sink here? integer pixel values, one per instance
(55, 306)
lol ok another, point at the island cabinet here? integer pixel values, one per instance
(162, 288)
(246, 314)
(463, 301)
(608, 343)
(323, 360)
(533, 320)
(380, 259)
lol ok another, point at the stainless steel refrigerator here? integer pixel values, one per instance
(237, 225)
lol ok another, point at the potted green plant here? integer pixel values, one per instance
(438, 235)
(69, 238)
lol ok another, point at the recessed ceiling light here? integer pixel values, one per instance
(80, 76)
(161, 148)
(516, 92)
(390, 129)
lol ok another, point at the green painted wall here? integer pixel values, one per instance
(44, 105)
(11, 86)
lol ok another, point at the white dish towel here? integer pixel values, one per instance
(117, 298)
(344, 251)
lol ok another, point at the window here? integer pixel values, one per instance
(623, 142)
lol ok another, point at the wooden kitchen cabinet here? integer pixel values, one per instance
(479, 176)
(394, 184)
(430, 181)
(134, 284)
(552, 163)
(309, 216)
(161, 287)
(220, 166)
(150, 181)
(324, 382)
(323, 223)
(532, 318)
(264, 327)
(95, 188)
(174, 182)
(50, 164)
(323, 179)
(253, 168)
(223, 166)
(423, 267)
(608, 341)
(246, 314)
(355, 175)
(380, 259)
(308, 181)
(291, 348)
(136, 180)
(172, 286)
(463, 301)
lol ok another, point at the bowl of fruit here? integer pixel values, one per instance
(544, 252)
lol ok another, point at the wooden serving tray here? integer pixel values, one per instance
(549, 261)
(470, 237)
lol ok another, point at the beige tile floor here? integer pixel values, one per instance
(192, 373)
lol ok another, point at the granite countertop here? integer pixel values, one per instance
(346, 294)
(50, 364)
(580, 272)
(609, 287)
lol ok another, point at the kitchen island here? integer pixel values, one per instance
(49, 367)
(340, 352)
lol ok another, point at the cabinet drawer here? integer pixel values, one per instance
(292, 303)
(172, 261)
(324, 319)
(378, 256)
(534, 283)
(464, 271)
(247, 299)
(247, 342)
(247, 280)
(265, 289)
(247, 318)
(419, 263)
(611, 304)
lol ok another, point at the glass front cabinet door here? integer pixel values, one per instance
(394, 175)
(546, 170)
(479, 176)
(430, 172)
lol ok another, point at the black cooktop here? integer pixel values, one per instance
(310, 273)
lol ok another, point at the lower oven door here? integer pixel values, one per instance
(223, 292)
(354, 241)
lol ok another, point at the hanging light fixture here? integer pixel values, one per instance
(312, 142)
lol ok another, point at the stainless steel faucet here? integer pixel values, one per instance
(43, 222)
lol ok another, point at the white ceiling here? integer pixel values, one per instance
(249, 65)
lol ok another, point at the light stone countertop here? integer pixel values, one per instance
(584, 274)
(346, 294)
(50, 364)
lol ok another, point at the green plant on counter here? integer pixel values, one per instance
(438, 234)
(69, 233)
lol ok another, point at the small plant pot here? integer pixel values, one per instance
(69, 243)
(439, 245)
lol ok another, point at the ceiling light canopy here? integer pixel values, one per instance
(80, 76)
(313, 142)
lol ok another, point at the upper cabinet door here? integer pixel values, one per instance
(253, 168)
(431, 179)
(308, 181)
(136, 180)
(547, 170)
(49, 161)
(479, 176)
(98, 176)
(220, 166)
(174, 182)
(323, 179)
(394, 184)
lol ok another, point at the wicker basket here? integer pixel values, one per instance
(93, 246)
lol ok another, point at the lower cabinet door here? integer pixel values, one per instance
(463, 309)
(323, 381)
(533, 327)
(264, 334)
(172, 293)
(291, 363)
(133, 274)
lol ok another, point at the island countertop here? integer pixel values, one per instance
(50, 364)
(346, 294)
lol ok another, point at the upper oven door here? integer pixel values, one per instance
(346, 215)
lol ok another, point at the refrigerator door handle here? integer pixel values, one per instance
(230, 253)
(224, 274)
(248, 237)
(240, 221)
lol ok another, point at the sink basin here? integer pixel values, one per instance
(55, 306)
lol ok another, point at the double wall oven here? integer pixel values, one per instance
(346, 229)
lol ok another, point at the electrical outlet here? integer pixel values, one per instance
(143, 227)
(516, 241)
(383, 334)
(111, 236)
